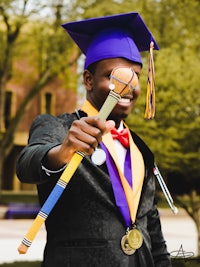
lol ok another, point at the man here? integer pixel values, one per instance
(107, 216)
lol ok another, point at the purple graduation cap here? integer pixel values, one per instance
(123, 35)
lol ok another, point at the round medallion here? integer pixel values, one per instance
(134, 238)
(125, 246)
(98, 157)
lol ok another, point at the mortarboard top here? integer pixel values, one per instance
(123, 35)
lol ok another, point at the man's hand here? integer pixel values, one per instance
(84, 135)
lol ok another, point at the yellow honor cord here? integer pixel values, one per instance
(137, 166)
(150, 97)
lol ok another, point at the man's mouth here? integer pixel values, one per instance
(125, 100)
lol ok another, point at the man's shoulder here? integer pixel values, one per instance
(49, 118)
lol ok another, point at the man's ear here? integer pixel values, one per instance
(88, 79)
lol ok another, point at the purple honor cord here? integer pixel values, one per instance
(118, 190)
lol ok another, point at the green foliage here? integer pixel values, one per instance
(187, 262)
(174, 135)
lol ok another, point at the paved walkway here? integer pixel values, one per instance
(179, 230)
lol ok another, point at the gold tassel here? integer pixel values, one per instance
(150, 97)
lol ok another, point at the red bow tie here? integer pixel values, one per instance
(121, 136)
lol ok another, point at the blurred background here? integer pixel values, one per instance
(41, 72)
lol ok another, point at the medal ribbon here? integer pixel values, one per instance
(118, 190)
(137, 166)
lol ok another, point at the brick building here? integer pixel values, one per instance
(54, 99)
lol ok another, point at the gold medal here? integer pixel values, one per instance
(134, 238)
(125, 246)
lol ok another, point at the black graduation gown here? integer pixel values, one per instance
(85, 227)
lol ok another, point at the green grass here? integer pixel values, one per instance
(7, 197)
(22, 264)
(192, 262)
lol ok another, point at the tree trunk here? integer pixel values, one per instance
(6, 145)
(1, 175)
(198, 231)
(2, 108)
(196, 215)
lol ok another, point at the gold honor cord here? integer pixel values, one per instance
(123, 81)
(137, 167)
(133, 238)
(150, 97)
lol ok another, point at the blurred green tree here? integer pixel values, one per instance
(174, 134)
(30, 31)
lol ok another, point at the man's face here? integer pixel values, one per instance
(97, 86)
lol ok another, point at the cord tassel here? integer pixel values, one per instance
(150, 97)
